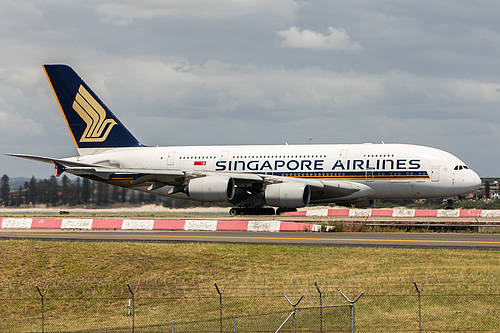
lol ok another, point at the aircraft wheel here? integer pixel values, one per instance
(234, 211)
(267, 211)
(282, 210)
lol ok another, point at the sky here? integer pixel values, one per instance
(200, 72)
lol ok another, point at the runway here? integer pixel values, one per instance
(396, 240)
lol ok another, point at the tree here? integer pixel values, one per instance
(5, 190)
(105, 194)
(132, 198)
(65, 190)
(53, 191)
(17, 198)
(31, 191)
(86, 190)
(115, 194)
(123, 197)
(140, 198)
(487, 190)
(98, 200)
(78, 195)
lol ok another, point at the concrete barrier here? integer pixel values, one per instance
(17, 223)
(201, 225)
(404, 213)
(153, 224)
(470, 213)
(490, 213)
(84, 224)
(260, 225)
(43, 223)
(169, 225)
(138, 224)
(448, 213)
(317, 212)
(381, 212)
(360, 212)
(107, 224)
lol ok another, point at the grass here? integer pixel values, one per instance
(250, 271)
(103, 260)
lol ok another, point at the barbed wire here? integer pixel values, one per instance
(200, 285)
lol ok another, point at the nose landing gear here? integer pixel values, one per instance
(450, 204)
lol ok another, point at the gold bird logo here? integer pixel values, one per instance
(98, 127)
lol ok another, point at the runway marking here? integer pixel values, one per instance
(87, 235)
(339, 239)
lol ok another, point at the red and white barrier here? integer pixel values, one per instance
(401, 213)
(154, 224)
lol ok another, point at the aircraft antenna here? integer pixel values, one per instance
(309, 141)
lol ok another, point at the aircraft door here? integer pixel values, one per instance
(343, 156)
(224, 156)
(435, 173)
(171, 158)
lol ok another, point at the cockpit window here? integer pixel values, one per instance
(460, 167)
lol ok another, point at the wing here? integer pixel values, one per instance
(249, 188)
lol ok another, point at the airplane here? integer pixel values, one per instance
(253, 178)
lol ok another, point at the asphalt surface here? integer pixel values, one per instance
(399, 240)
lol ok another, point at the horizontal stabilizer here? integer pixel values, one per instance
(52, 160)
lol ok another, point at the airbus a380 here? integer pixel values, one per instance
(249, 177)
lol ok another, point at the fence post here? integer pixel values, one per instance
(220, 302)
(43, 306)
(320, 308)
(294, 306)
(419, 291)
(352, 308)
(133, 305)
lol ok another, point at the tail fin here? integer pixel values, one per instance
(89, 120)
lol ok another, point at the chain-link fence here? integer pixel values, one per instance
(254, 304)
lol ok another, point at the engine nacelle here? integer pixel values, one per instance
(211, 188)
(288, 195)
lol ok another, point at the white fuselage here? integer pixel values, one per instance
(393, 171)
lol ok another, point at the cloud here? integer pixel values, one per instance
(336, 39)
(22, 126)
(249, 92)
(124, 12)
(247, 71)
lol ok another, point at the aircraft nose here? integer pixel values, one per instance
(474, 181)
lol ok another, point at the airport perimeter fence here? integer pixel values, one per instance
(460, 303)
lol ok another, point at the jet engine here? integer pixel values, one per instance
(287, 195)
(211, 188)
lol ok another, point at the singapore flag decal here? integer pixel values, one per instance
(200, 163)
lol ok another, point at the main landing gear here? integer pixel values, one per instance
(252, 211)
